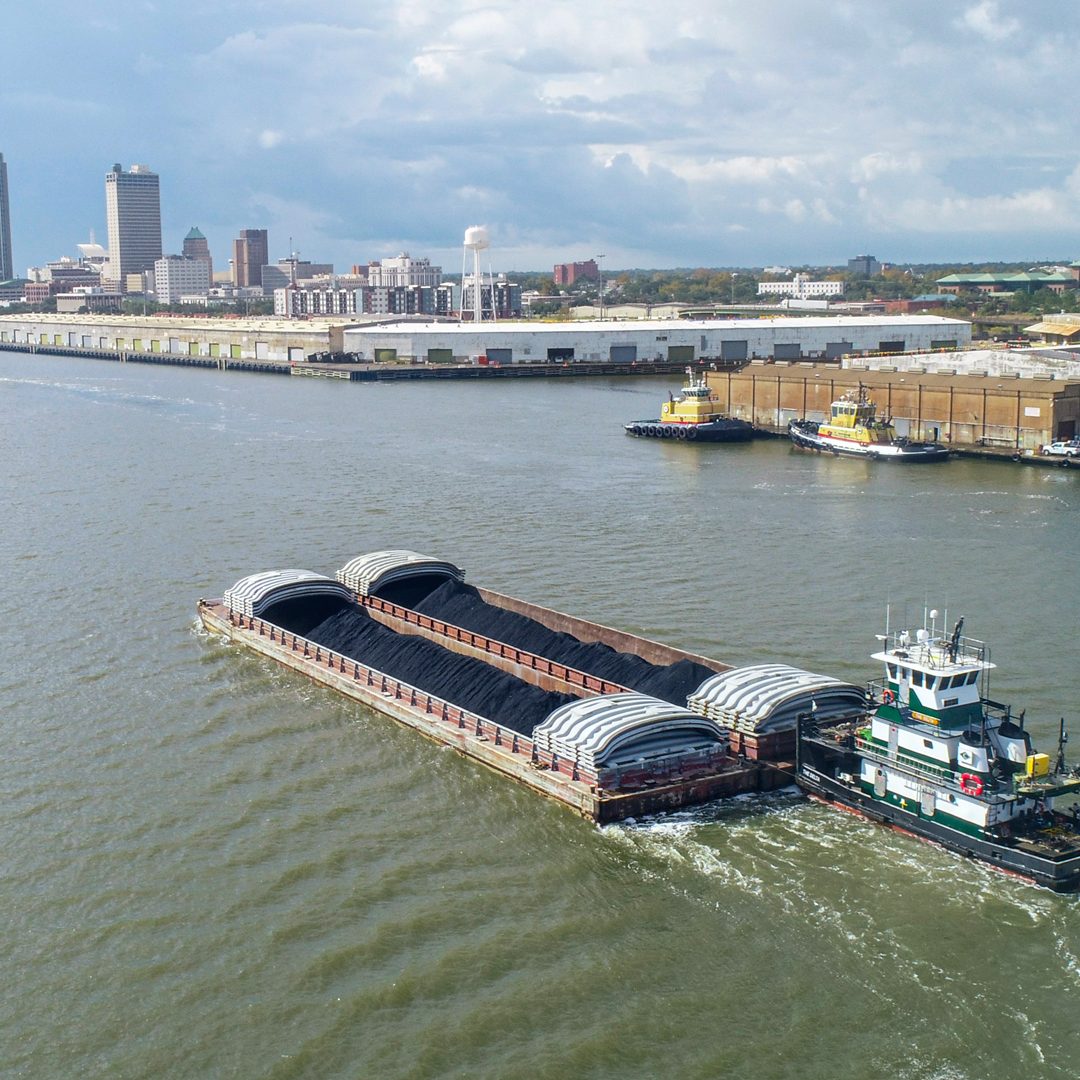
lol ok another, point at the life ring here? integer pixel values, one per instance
(888, 697)
(970, 784)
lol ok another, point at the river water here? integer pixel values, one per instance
(214, 868)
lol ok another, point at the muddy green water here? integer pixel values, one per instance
(213, 868)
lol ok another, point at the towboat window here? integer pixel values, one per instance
(892, 670)
(916, 678)
(950, 701)
(930, 681)
(972, 677)
(928, 743)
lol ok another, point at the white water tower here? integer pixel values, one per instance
(476, 240)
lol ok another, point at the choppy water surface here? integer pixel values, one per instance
(214, 868)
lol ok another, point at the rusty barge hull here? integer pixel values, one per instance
(489, 744)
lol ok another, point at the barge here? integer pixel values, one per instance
(608, 750)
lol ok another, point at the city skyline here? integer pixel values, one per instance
(662, 137)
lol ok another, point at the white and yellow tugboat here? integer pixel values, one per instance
(854, 429)
(695, 415)
(937, 758)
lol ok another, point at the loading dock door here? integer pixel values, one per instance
(623, 354)
(836, 349)
(558, 356)
(733, 350)
(500, 356)
(684, 354)
(385, 356)
(890, 346)
(787, 352)
(440, 356)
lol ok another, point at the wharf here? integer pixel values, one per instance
(499, 748)
(365, 372)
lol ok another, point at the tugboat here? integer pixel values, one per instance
(936, 758)
(694, 416)
(855, 430)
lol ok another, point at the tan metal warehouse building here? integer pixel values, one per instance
(995, 411)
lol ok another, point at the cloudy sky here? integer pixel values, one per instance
(681, 133)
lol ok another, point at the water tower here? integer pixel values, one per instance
(476, 240)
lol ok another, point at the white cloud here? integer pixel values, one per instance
(983, 18)
(694, 132)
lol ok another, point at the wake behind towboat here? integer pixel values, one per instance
(936, 758)
(855, 430)
(694, 416)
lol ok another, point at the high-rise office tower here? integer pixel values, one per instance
(196, 247)
(7, 266)
(250, 255)
(133, 211)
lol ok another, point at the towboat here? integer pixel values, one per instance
(935, 757)
(695, 415)
(855, 429)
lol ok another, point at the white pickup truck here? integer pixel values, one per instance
(1069, 448)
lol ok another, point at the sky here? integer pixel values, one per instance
(719, 133)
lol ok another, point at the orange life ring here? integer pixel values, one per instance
(970, 784)
(887, 696)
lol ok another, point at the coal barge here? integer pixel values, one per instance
(611, 724)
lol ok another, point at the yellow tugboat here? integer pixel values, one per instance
(855, 429)
(695, 415)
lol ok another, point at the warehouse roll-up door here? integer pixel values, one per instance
(262, 350)
(890, 346)
(733, 350)
(500, 356)
(385, 356)
(834, 349)
(684, 354)
(234, 352)
(440, 356)
(623, 354)
(787, 352)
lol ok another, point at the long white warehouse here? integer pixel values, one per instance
(673, 339)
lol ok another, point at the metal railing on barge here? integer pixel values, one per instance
(492, 646)
(480, 727)
(626, 777)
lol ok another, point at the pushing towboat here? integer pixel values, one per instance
(855, 430)
(695, 415)
(937, 758)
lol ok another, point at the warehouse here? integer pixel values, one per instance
(199, 336)
(729, 340)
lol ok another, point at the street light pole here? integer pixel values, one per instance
(600, 270)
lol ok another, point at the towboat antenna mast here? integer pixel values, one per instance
(1063, 738)
(954, 641)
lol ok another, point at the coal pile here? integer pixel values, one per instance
(470, 684)
(460, 604)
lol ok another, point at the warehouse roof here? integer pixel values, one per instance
(609, 326)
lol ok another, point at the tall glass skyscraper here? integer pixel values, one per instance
(7, 266)
(133, 213)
